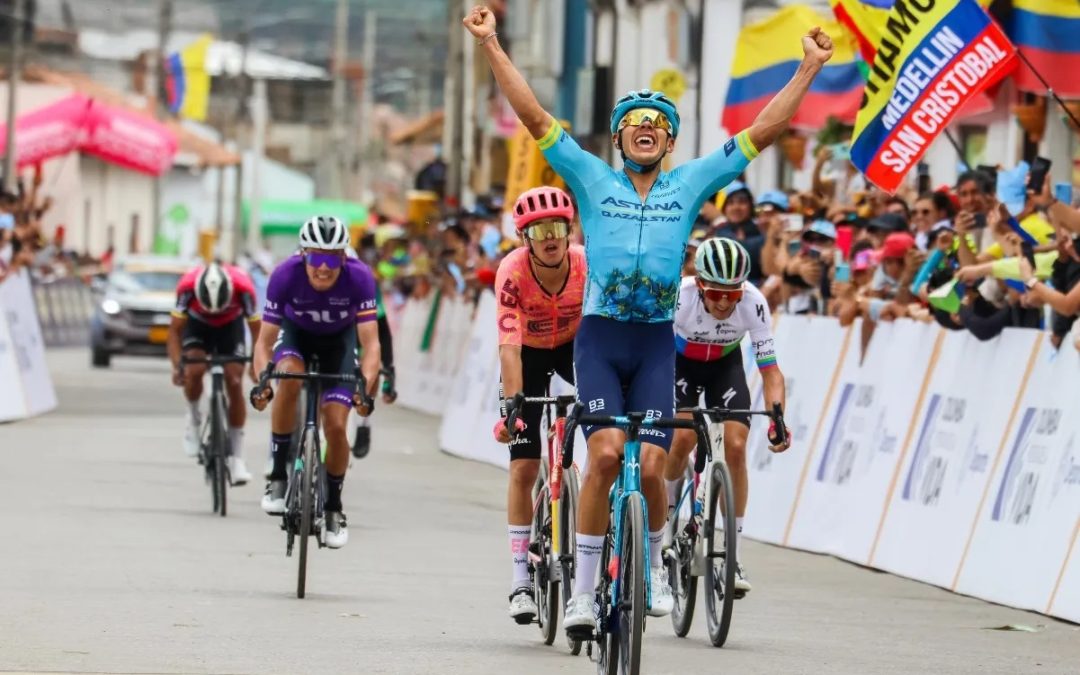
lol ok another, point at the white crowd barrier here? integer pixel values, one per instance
(933, 455)
(26, 387)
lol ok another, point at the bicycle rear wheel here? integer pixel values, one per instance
(720, 550)
(630, 610)
(545, 585)
(308, 447)
(568, 529)
(679, 560)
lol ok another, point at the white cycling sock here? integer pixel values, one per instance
(519, 554)
(672, 492)
(656, 541)
(193, 408)
(738, 531)
(236, 441)
(589, 548)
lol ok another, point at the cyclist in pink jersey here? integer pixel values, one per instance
(540, 287)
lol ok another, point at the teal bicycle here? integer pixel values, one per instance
(623, 593)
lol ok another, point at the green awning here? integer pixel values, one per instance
(284, 217)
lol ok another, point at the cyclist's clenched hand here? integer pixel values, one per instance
(364, 405)
(261, 397)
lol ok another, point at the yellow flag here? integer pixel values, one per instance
(196, 79)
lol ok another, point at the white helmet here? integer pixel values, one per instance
(213, 288)
(722, 261)
(324, 232)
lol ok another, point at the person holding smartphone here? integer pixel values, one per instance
(974, 190)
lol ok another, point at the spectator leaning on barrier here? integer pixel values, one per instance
(930, 208)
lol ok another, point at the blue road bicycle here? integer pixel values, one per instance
(623, 592)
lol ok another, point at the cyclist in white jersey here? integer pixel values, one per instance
(715, 311)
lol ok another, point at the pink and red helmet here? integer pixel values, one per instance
(542, 202)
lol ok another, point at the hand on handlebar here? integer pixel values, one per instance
(779, 442)
(502, 430)
(262, 393)
(363, 403)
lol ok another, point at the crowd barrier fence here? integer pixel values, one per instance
(931, 455)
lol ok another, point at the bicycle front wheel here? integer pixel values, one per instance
(308, 447)
(567, 531)
(679, 560)
(221, 449)
(630, 609)
(214, 468)
(545, 585)
(720, 550)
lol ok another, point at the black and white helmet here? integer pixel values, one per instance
(722, 261)
(213, 288)
(324, 232)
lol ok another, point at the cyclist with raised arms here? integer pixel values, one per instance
(319, 303)
(540, 287)
(636, 223)
(715, 311)
(212, 303)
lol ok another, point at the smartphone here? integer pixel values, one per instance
(840, 151)
(843, 273)
(980, 220)
(794, 246)
(793, 222)
(991, 172)
(813, 253)
(1063, 192)
(1039, 168)
(923, 185)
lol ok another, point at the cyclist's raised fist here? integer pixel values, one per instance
(818, 46)
(480, 22)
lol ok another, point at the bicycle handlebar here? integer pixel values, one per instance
(213, 360)
(357, 379)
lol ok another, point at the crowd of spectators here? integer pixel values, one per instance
(957, 255)
(23, 243)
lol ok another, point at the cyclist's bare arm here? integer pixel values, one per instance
(172, 344)
(368, 335)
(775, 392)
(777, 114)
(480, 22)
(510, 362)
(264, 346)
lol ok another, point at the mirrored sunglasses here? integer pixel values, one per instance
(720, 294)
(636, 117)
(547, 229)
(331, 260)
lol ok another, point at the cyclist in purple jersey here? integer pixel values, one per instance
(321, 304)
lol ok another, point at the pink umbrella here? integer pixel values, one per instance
(48, 132)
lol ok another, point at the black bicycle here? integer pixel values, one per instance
(698, 548)
(551, 538)
(214, 448)
(305, 496)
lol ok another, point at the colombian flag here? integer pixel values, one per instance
(766, 57)
(1047, 32)
(187, 84)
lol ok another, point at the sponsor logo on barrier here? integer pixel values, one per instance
(1029, 461)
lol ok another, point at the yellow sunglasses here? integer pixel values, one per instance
(635, 117)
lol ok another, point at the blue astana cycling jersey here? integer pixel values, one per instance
(635, 249)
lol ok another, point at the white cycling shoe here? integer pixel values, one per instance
(273, 502)
(337, 531)
(580, 617)
(191, 436)
(742, 584)
(238, 471)
(662, 599)
(522, 606)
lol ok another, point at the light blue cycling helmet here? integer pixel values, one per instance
(644, 98)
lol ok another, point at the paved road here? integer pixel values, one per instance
(113, 563)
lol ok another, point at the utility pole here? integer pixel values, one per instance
(14, 73)
(164, 27)
(367, 104)
(453, 95)
(338, 100)
(238, 120)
